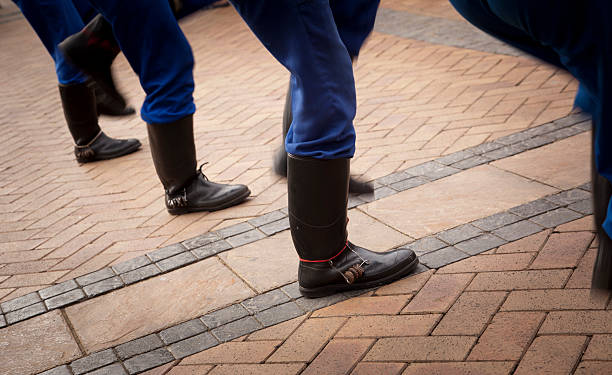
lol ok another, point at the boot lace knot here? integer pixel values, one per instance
(353, 272)
(85, 152)
(179, 200)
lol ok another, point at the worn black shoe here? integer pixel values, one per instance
(93, 51)
(103, 147)
(204, 195)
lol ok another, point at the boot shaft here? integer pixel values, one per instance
(318, 197)
(79, 104)
(173, 152)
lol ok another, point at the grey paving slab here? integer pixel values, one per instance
(265, 301)
(139, 346)
(409, 183)
(211, 249)
(65, 299)
(60, 370)
(383, 192)
(275, 227)
(458, 234)
(585, 207)
(518, 230)
(292, 290)
(182, 331)
(148, 360)
(535, 142)
(94, 277)
(236, 329)
(513, 138)
(480, 244)
(393, 178)
(586, 187)
(279, 314)
(140, 274)
(499, 220)
(166, 252)
(2, 321)
(132, 264)
(234, 230)
(103, 286)
(353, 201)
(176, 261)
(268, 218)
(25, 313)
(193, 345)
(533, 208)
(455, 157)
(556, 217)
(93, 361)
(484, 148)
(201, 240)
(565, 132)
(245, 238)
(568, 197)
(503, 152)
(472, 162)
(20, 302)
(223, 316)
(114, 369)
(426, 245)
(439, 258)
(58, 289)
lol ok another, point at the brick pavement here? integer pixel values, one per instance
(417, 101)
(510, 247)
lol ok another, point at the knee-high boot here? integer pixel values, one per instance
(93, 51)
(329, 263)
(602, 192)
(187, 189)
(79, 103)
(280, 158)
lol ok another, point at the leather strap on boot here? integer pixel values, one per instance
(318, 197)
(173, 152)
(79, 104)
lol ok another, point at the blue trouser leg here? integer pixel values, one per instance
(53, 21)
(86, 11)
(190, 6)
(354, 20)
(303, 37)
(573, 35)
(158, 52)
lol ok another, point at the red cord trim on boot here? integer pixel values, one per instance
(326, 260)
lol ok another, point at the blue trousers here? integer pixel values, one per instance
(573, 35)
(54, 21)
(305, 38)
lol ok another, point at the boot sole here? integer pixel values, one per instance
(336, 288)
(127, 151)
(237, 200)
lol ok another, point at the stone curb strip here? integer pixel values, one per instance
(174, 256)
(285, 303)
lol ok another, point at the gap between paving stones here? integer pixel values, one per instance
(181, 254)
(285, 303)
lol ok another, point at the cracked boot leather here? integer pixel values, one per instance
(329, 263)
(187, 189)
(78, 101)
(356, 186)
(93, 51)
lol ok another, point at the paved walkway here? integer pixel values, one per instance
(477, 166)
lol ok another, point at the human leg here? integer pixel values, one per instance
(321, 141)
(161, 56)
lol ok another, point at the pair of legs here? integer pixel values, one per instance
(575, 36)
(82, 98)
(304, 37)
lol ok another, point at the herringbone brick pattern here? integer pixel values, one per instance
(515, 309)
(59, 220)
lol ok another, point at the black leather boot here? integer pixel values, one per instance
(93, 50)
(92, 144)
(280, 157)
(187, 189)
(329, 263)
(602, 192)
